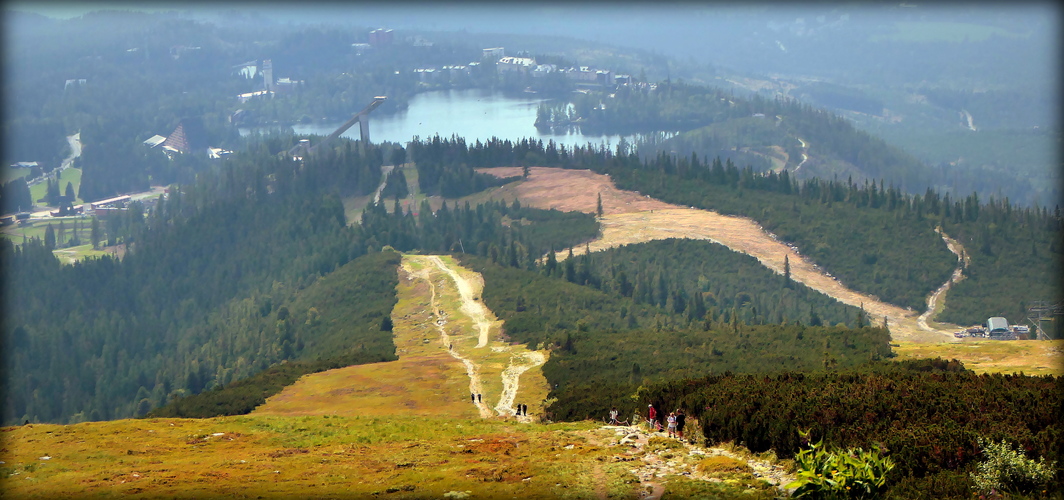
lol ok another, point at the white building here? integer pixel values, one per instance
(519, 64)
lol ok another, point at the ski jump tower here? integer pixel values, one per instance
(267, 74)
(362, 118)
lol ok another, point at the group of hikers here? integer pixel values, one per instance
(522, 409)
(674, 422)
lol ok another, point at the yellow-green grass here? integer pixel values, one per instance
(1031, 357)
(426, 380)
(397, 456)
(71, 255)
(11, 174)
(353, 207)
(71, 175)
(16, 233)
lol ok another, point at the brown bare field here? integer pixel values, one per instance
(1031, 357)
(630, 217)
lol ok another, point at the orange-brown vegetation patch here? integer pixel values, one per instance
(432, 385)
(630, 217)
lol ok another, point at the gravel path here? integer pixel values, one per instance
(653, 467)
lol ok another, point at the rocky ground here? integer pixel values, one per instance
(655, 457)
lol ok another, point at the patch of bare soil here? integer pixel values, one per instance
(630, 217)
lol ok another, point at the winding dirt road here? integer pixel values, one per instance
(958, 274)
(472, 370)
(511, 376)
(469, 289)
(630, 217)
(471, 304)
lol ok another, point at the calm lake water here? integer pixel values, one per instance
(472, 114)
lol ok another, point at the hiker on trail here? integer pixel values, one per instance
(652, 417)
(524, 410)
(680, 420)
(671, 419)
(613, 416)
(473, 397)
(478, 398)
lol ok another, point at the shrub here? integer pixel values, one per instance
(720, 464)
(1007, 470)
(853, 473)
(659, 443)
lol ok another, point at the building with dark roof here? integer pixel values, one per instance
(190, 137)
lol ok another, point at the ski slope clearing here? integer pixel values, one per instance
(449, 347)
(630, 217)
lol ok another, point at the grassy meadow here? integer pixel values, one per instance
(1030, 357)
(324, 456)
(71, 175)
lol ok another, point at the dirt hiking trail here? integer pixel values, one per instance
(652, 465)
(470, 291)
(630, 217)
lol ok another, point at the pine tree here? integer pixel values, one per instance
(552, 263)
(598, 208)
(49, 238)
(95, 233)
(787, 271)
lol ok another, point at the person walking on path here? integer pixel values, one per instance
(680, 421)
(524, 410)
(652, 417)
(613, 416)
(671, 419)
(473, 397)
(479, 400)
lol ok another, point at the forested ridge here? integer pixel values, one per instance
(194, 303)
(702, 279)
(871, 235)
(712, 122)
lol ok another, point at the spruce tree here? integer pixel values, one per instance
(95, 233)
(786, 271)
(49, 238)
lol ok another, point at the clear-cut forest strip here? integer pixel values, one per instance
(633, 218)
(443, 337)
